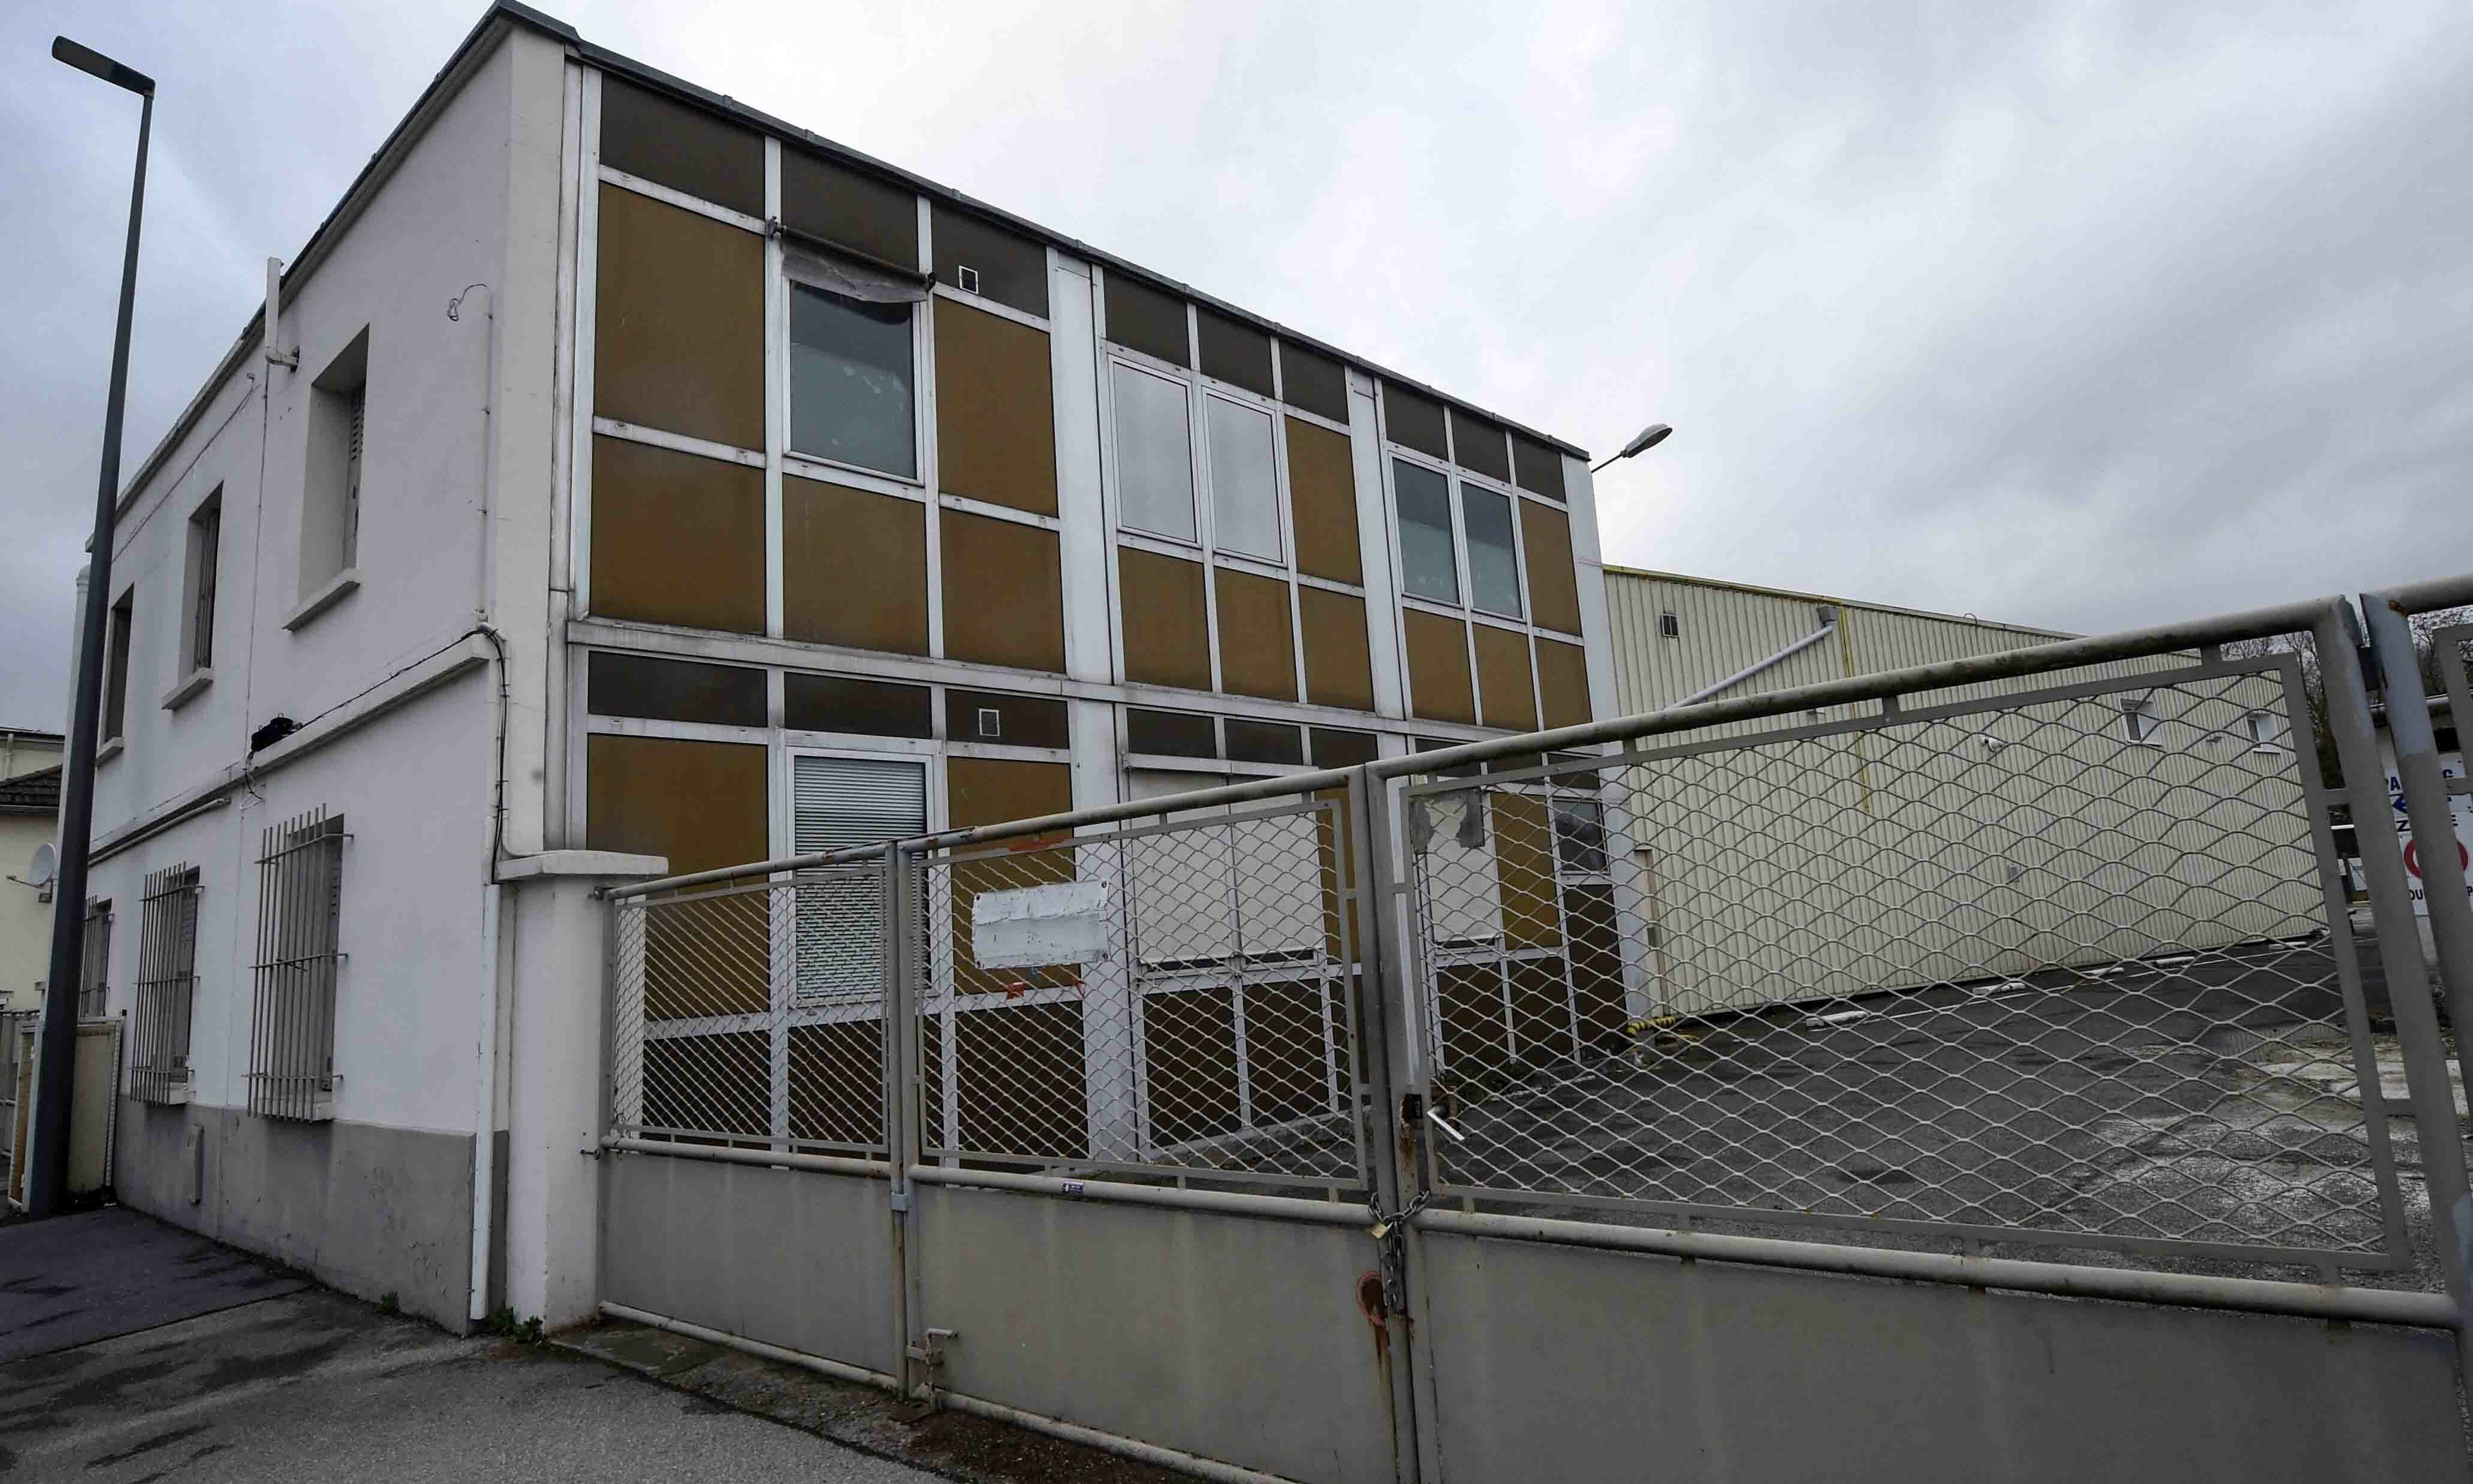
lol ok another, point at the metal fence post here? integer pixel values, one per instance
(2426, 807)
(899, 1144)
(1384, 995)
(2417, 1018)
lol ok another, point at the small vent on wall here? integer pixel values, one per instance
(991, 722)
(1668, 626)
(966, 277)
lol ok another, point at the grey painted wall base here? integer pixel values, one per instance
(362, 1207)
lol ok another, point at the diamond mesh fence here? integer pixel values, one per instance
(1169, 1000)
(2066, 966)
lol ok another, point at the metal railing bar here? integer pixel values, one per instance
(823, 1163)
(1230, 1203)
(841, 857)
(2251, 1295)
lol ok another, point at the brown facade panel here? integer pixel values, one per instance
(1476, 1042)
(1476, 443)
(710, 1083)
(846, 703)
(1503, 679)
(1189, 1063)
(1342, 931)
(995, 419)
(676, 539)
(1438, 668)
(674, 690)
(1002, 716)
(1563, 683)
(1340, 666)
(1541, 1011)
(1004, 596)
(1313, 382)
(853, 568)
(1597, 968)
(1553, 586)
(1414, 419)
(1296, 1050)
(1538, 466)
(837, 1083)
(678, 339)
(1151, 320)
(1167, 626)
(681, 146)
(1322, 496)
(999, 790)
(1258, 651)
(1524, 853)
(1003, 265)
(872, 217)
(1233, 351)
(699, 805)
(1021, 1081)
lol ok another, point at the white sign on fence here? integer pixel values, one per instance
(1062, 922)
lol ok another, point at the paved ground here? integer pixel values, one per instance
(131, 1353)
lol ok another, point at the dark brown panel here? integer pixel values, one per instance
(1415, 421)
(1296, 1051)
(841, 702)
(1336, 852)
(1011, 269)
(675, 690)
(1021, 721)
(1539, 467)
(710, 1084)
(1272, 742)
(995, 419)
(1476, 443)
(1339, 669)
(1171, 733)
(1438, 671)
(1257, 653)
(1563, 683)
(1233, 351)
(1553, 586)
(1019, 1071)
(1476, 1046)
(1143, 318)
(676, 539)
(1322, 493)
(1313, 382)
(998, 790)
(1524, 855)
(853, 568)
(1005, 599)
(837, 1083)
(1502, 679)
(681, 146)
(1337, 747)
(700, 805)
(1167, 628)
(1597, 969)
(1541, 1011)
(678, 340)
(1190, 1059)
(827, 199)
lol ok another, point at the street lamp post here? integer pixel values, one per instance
(54, 1063)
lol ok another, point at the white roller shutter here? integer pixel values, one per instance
(836, 803)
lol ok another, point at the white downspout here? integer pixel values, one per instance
(485, 1123)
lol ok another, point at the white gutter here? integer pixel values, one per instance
(1749, 671)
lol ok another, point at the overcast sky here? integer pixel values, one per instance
(2074, 315)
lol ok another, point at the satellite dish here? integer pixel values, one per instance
(45, 865)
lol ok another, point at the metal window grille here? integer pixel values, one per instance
(292, 1019)
(94, 965)
(167, 960)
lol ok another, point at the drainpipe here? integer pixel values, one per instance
(1828, 627)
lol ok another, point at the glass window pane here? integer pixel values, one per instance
(1245, 487)
(850, 381)
(1429, 565)
(1154, 454)
(1494, 568)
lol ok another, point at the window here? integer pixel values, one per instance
(167, 960)
(300, 936)
(94, 963)
(1580, 830)
(115, 668)
(1154, 454)
(838, 803)
(1494, 563)
(1244, 482)
(2139, 723)
(330, 507)
(2265, 727)
(1428, 558)
(205, 552)
(1669, 627)
(852, 381)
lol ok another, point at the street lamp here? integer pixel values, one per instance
(1646, 438)
(55, 1065)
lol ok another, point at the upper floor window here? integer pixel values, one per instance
(1430, 565)
(853, 368)
(1154, 454)
(331, 509)
(1494, 559)
(204, 558)
(115, 668)
(2140, 724)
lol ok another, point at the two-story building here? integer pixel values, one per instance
(623, 480)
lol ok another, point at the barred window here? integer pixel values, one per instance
(94, 965)
(292, 1022)
(167, 964)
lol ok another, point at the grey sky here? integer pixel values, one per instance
(2073, 315)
